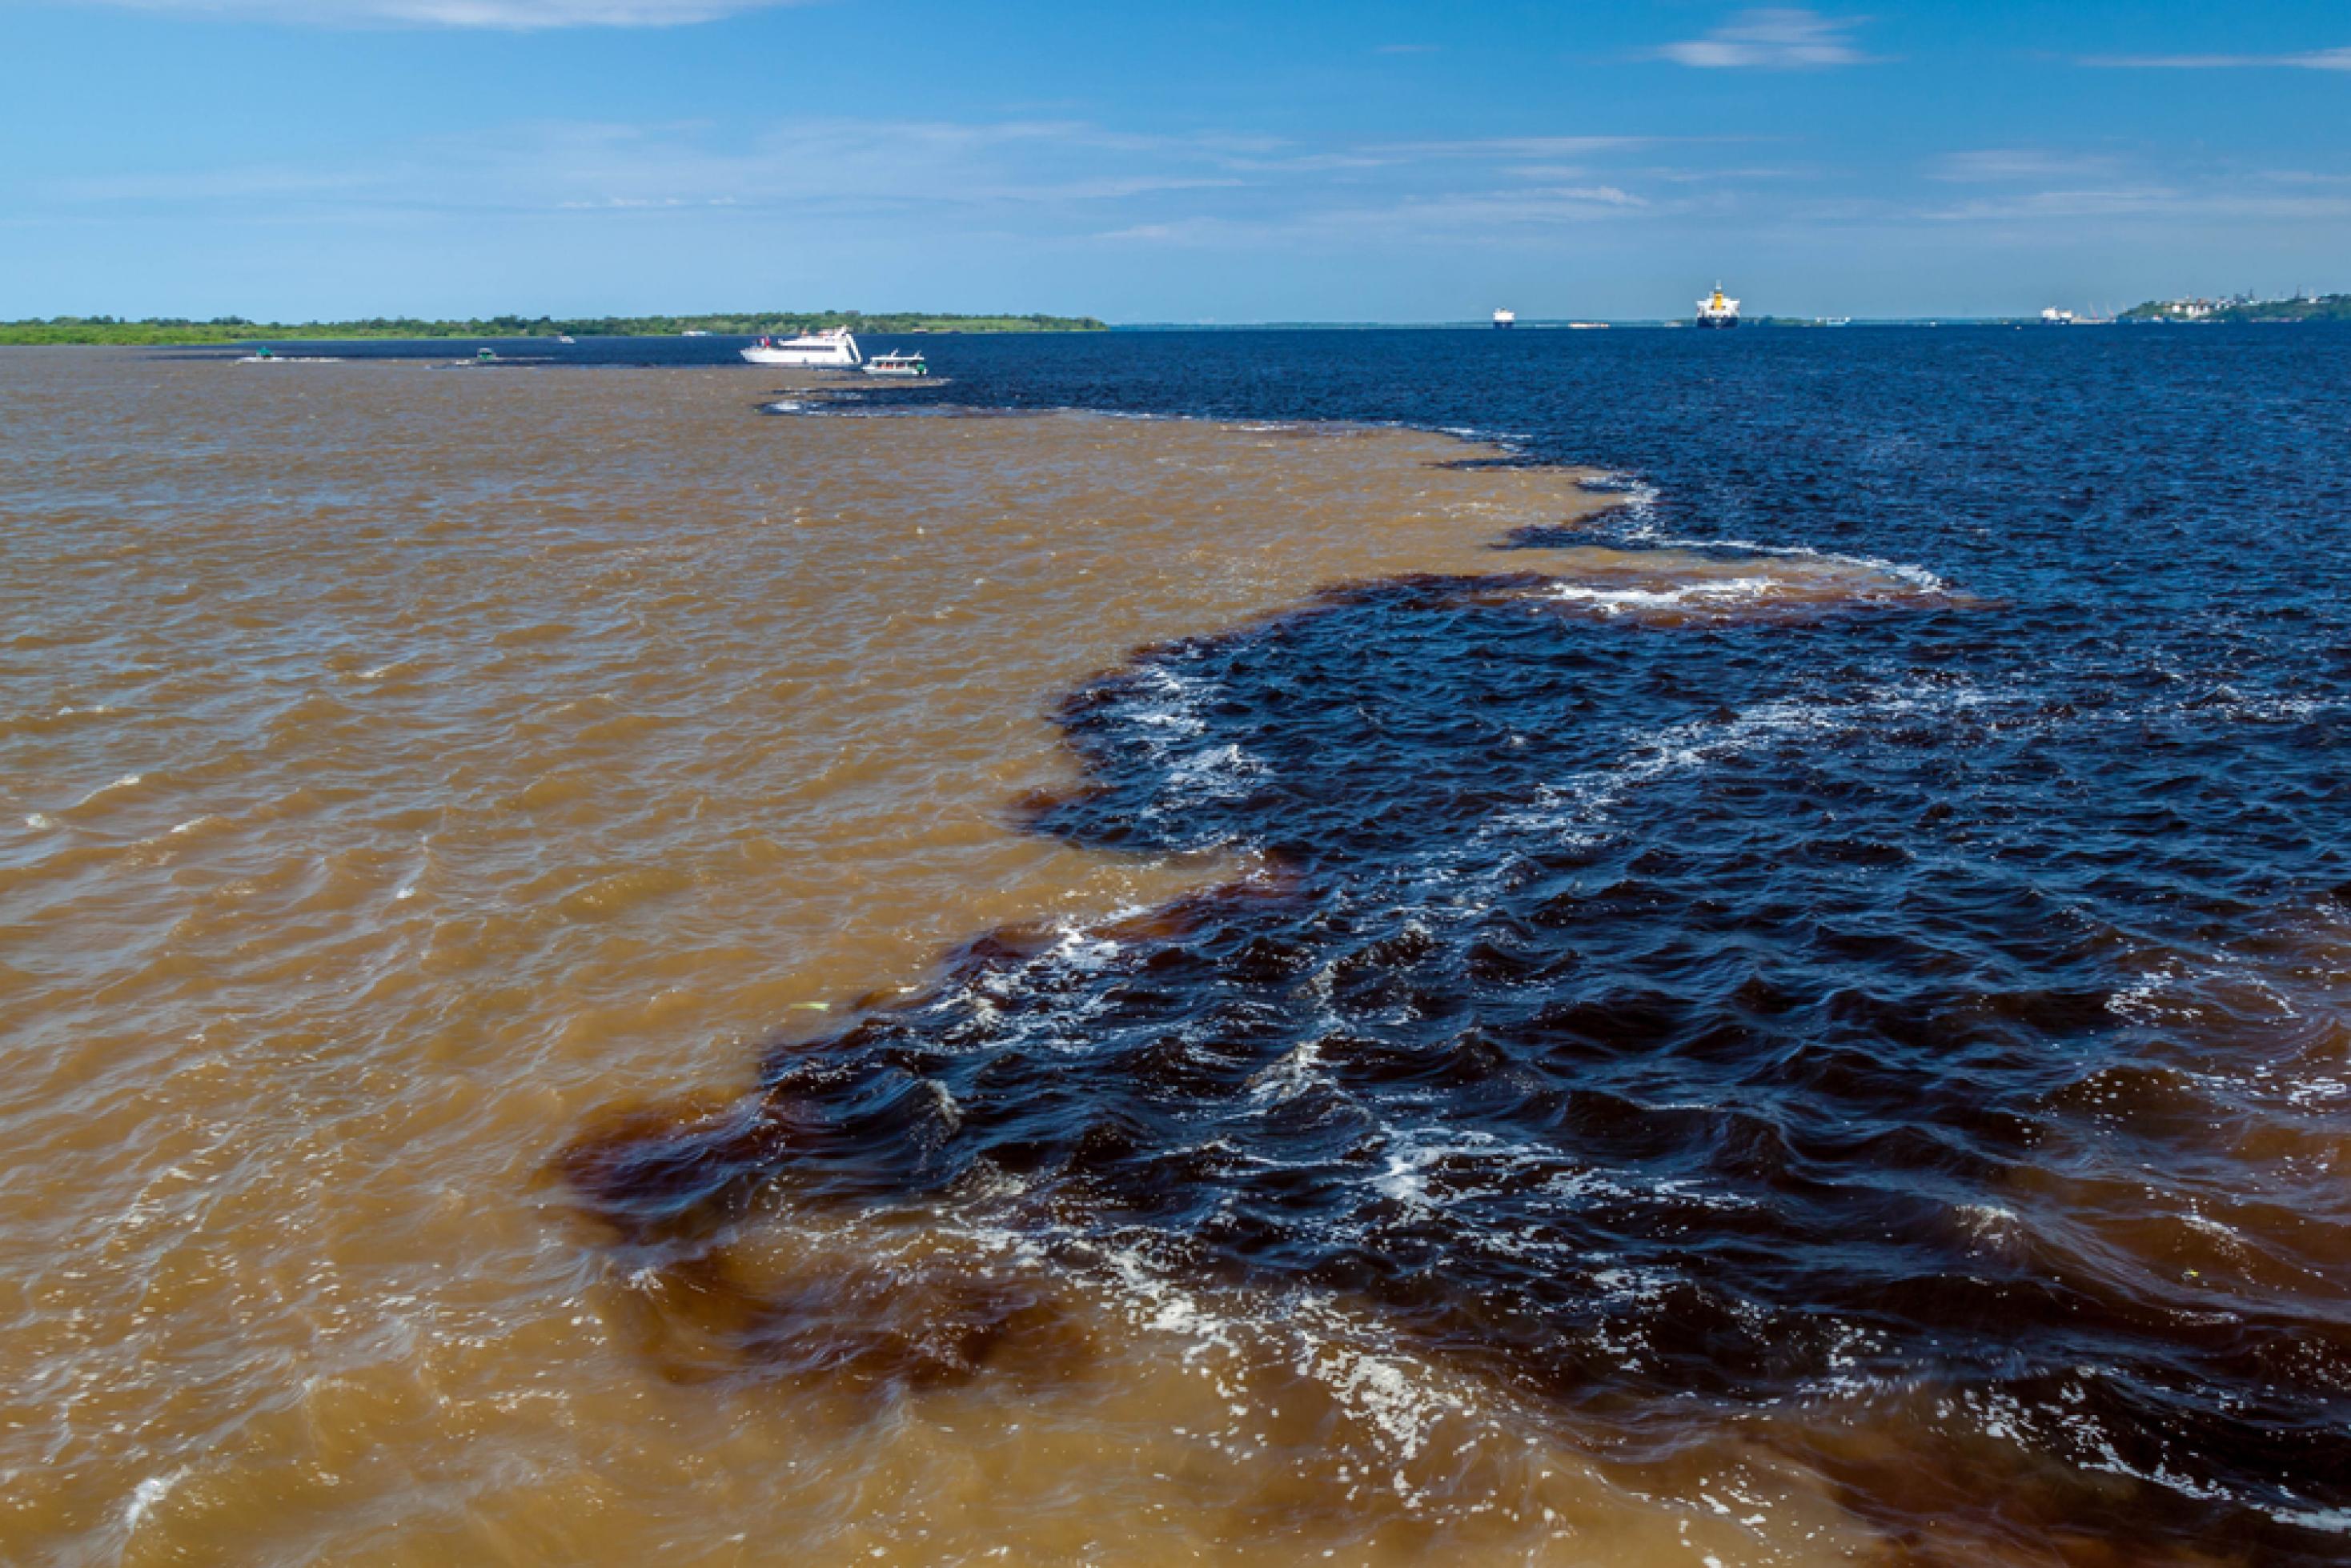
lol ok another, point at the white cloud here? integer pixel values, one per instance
(509, 16)
(1048, 180)
(1511, 147)
(832, 165)
(1771, 40)
(2193, 205)
(1492, 217)
(2034, 183)
(1998, 165)
(2313, 60)
(2064, 204)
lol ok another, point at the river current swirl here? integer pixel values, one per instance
(1909, 1018)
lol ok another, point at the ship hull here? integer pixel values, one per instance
(803, 359)
(1718, 323)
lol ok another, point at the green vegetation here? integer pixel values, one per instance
(2323, 308)
(237, 329)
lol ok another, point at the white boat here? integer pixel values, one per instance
(896, 365)
(833, 349)
(1717, 310)
(1506, 317)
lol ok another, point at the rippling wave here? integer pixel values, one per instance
(1816, 992)
(1745, 1002)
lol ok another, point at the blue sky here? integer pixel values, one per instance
(1212, 161)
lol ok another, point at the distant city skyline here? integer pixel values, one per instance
(1218, 163)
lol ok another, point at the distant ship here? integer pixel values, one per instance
(2052, 316)
(1717, 310)
(833, 349)
(1506, 317)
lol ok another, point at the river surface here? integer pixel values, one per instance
(1634, 946)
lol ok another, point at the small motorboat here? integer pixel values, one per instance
(896, 365)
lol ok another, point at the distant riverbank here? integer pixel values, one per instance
(170, 330)
(2244, 307)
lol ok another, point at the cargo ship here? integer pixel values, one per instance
(1717, 310)
(1506, 317)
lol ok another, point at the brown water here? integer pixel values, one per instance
(406, 772)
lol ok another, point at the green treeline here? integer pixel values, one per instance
(166, 329)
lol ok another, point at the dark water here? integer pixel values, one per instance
(1939, 1018)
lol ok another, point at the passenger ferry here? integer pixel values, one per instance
(1717, 310)
(896, 365)
(833, 349)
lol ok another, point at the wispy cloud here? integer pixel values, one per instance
(833, 166)
(1775, 38)
(1513, 147)
(1026, 172)
(2025, 184)
(2003, 165)
(1493, 216)
(2193, 206)
(1045, 180)
(2310, 60)
(2085, 202)
(508, 15)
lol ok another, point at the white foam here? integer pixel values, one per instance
(2333, 1520)
(1220, 773)
(147, 1494)
(1289, 1077)
(1643, 531)
(1617, 601)
(1412, 1151)
(1081, 950)
(1383, 1393)
(127, 781)
(1583, 801)
(1989, 1222)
